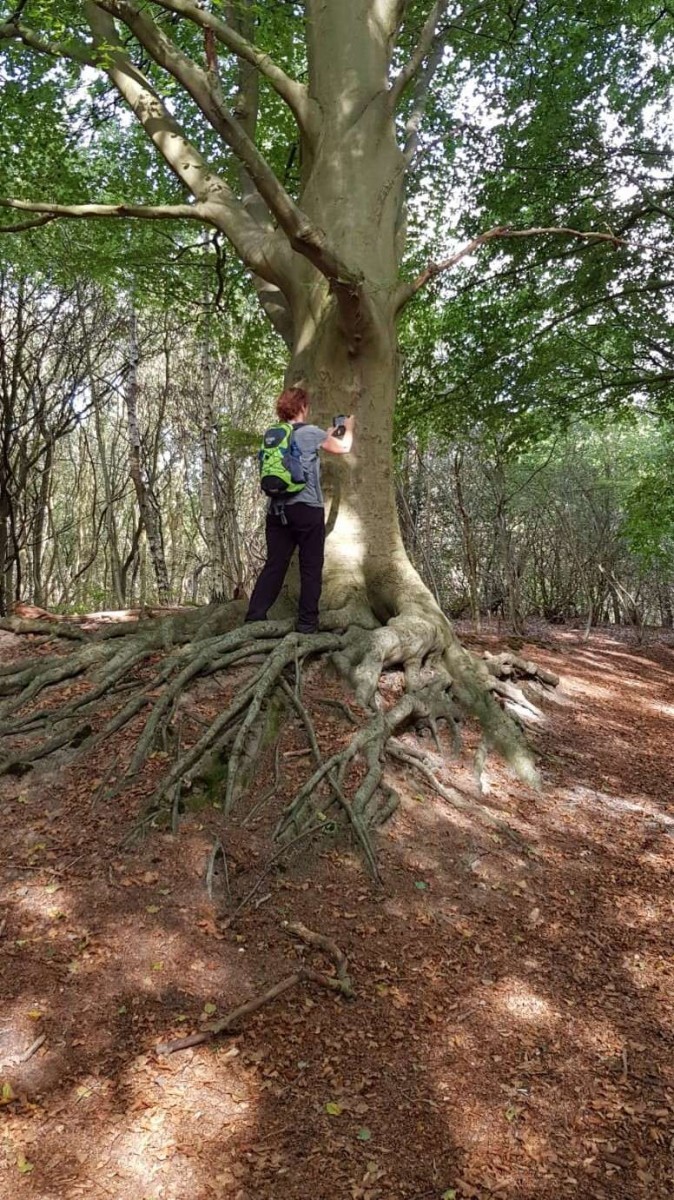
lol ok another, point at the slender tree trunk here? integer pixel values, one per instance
(119, 598)
(469, 550)
(509, 575)
(217, 587)
(147, 501)
(40, 525)
(5, 595)
(666, 609)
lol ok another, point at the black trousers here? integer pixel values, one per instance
(304, 528)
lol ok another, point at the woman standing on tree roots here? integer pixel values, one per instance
(299, 520)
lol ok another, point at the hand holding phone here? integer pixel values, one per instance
(340, 425)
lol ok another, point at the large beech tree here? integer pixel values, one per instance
(295, 130)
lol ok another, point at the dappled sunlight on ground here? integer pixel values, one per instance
(516, 999)
(512, 1035)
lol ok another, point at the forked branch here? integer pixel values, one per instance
(294, 93)
(303, 236)
(340, 982)
(22, 226)
(421, 51)
(16, 31)
(407, 290)
(221, 207)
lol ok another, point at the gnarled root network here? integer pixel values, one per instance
(138, 676)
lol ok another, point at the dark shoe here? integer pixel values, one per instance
(252, 620)
(306, 629)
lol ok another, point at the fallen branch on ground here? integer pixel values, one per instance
(336, 983)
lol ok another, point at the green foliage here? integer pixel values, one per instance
(542, 114)
(648, 526)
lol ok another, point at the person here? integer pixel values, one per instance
(299, 521)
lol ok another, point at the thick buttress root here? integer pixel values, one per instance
(142, 676)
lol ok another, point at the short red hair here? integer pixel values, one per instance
(291, 402)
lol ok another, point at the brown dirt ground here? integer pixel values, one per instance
(513, 1030)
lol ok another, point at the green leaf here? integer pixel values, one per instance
(364, 1135)
(333, 1108)
(210, 1008)
(24, 1166)
(421, 885)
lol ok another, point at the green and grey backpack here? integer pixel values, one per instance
(281, 471)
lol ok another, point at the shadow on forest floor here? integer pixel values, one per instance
(512, 1033)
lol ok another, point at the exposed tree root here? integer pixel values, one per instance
(144, 672)
(420, 763)
(339, 982)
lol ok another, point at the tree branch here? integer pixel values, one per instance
(217, 202)
(407, 290)
(240, 16)
(22, 226)
(74, 51)
(420, 53)
(52, 212)
(399, 12)
(421, 91)
(303, 236)
(295, 94)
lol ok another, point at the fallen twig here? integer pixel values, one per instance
(326, 944)
(216, 1027)
(32, 1049)
(306, 832)
(340, 983)
(341, 707)
(270, 792)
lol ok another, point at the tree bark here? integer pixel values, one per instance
(468, 539)
(147, 501)
(217, 586)
(345, 348)
(40, 525)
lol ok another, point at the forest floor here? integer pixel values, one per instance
(512, 1034)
